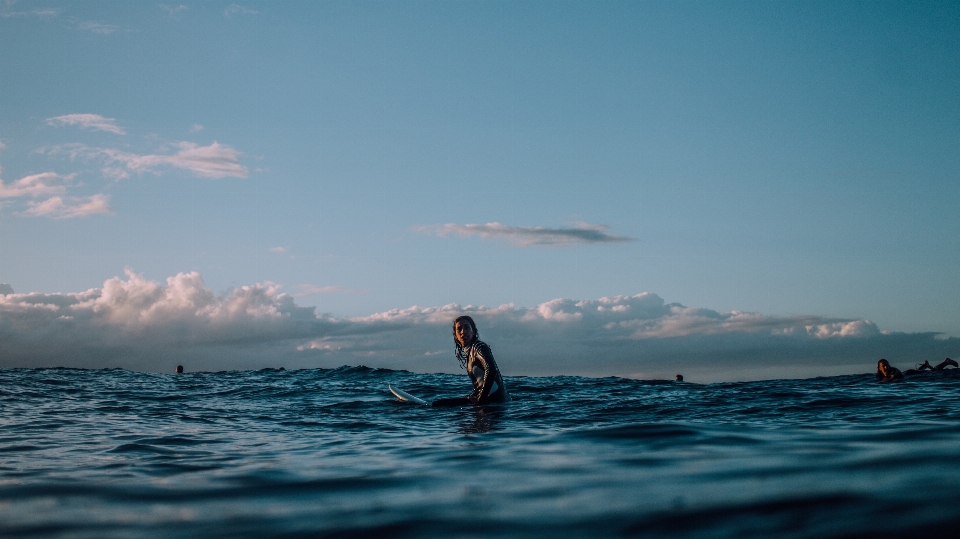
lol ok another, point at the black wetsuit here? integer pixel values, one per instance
(894, 376)
(488, 386)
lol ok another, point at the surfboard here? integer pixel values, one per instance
(406, 397)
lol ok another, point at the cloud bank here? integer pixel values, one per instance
(526, 236)
(139, 324)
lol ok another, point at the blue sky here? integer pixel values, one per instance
(791, 159)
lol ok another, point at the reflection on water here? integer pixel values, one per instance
(482, 419)
(332, 453)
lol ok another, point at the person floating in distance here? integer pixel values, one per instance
(887, 373)
(476, 357)
(679, 378)
(179, 369)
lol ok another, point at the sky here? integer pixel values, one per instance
(760, 189)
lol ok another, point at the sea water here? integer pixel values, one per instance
(330, 453)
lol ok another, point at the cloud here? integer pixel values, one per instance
(196, 128)
(313, 290)
(36, 185)
(93, 121)
(279, 250)
(236, 9)
(47, 184)
(525, 236)
(70, 207)
(137, 323)
(213, 161)
(98, 28)
(55, 207)
(7, 11)
(173, 10)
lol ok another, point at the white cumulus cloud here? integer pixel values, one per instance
(525, 236)
(84, 121)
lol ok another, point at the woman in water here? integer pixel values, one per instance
(475, 356)
(888, 373)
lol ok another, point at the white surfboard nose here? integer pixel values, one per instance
(404, 396)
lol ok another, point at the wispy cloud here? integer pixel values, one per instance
(279, 250)
(173, 10)
(142, 324)
(93, 121)
(36, 185)
(526, 236)
(7, 10)
(98, 27)
(237, 9)
(212, 161)
(70, 207)
(196, 128)
(55, 206)
(304, 290)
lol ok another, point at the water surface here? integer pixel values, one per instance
(330, 453)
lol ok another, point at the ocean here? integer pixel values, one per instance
(330, 453)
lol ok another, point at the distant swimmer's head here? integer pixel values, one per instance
(679, 377)
(179, 369)
(464, 330)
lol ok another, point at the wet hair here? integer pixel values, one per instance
(883, 362)
(461, 355)
(179, 369)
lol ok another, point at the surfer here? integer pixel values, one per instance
(476, 357)
(887, 373)
(179, 369)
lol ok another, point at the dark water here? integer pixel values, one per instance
(329, 453)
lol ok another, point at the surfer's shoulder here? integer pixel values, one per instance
(482, 347)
